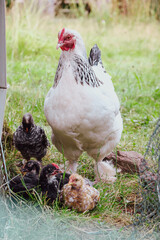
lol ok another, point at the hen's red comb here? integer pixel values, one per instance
(55, 165)
(61, 35)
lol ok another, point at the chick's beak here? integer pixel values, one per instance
(23, 171)
(56, 171)
(71, 182)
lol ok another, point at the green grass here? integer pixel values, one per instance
(131, 55)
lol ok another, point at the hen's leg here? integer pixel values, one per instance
(70, 151)
(105, 171)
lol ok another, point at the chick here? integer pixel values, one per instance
(24, 184)
(79, 196)
(30, 139)
(52, 180)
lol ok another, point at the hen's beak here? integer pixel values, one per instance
(59, 45)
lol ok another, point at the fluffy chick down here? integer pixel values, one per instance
(79, 196)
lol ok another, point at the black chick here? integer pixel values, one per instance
(52, 180)
(30, 139)
(24, 184)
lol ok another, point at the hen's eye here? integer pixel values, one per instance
(68, 38)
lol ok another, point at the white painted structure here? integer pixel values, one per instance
(3, 82)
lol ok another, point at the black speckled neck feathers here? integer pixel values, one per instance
(82, 72)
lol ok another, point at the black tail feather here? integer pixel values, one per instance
(95, 56)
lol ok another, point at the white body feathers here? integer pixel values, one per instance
(83, 117)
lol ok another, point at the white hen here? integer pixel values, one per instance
(82, 107)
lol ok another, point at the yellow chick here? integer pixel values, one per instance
(79, 196)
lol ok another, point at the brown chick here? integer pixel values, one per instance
(79, 196)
